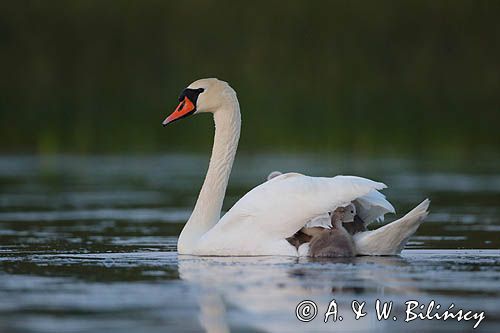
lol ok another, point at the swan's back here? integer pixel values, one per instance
(280, 207)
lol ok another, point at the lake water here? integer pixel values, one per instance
(88, 244)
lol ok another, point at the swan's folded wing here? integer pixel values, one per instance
(372, 207)
(322, 221)
(278, 208)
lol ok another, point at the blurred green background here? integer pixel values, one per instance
(367, 77)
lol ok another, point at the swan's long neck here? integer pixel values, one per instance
(206, 212)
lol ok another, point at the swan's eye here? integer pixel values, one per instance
(192, 94)
(186, 107)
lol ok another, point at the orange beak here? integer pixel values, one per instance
(184, 109)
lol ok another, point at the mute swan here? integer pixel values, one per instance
(367, 208)
(334, 242)
(260, 222)
(317, 222)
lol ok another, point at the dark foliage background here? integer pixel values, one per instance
(366, 77)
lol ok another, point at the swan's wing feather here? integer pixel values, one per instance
(278, 208)
(392, 237)
(322, 221)
(372, 207)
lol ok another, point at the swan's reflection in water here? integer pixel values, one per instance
(212, 314)
(263, 292)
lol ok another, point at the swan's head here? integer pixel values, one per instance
(204, 95)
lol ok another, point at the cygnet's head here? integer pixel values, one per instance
(274, 174)
(344, 213)
(349, 213)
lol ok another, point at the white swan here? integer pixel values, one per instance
(260, 222)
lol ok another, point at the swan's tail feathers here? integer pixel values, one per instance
(392, 237)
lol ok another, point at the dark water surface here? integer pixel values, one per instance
(88, 244)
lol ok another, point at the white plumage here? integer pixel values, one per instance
(262, 219)
(260, 222)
